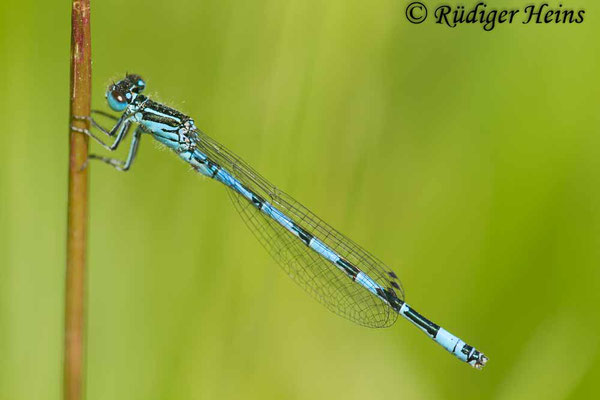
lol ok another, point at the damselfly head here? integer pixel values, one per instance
(122, 93)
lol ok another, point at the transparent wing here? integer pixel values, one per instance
(315, 274)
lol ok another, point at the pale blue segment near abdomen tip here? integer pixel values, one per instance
(451, 343)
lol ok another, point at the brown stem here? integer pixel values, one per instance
(81, 71)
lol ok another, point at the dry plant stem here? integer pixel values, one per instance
(81, 71)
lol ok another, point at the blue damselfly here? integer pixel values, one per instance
(336, 271)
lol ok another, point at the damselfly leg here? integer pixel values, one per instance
(93, 122)
(120, 129)
(104, 114)
(119, 164)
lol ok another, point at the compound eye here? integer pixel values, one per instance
(116, 100)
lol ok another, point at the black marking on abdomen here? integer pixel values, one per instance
(470, 352)
(257, 201)
(197, 158)
(428, 326)
(302, 234)
(390, 296)
(215, 168)
(350, 269)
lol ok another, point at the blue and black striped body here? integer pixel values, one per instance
(165, 124)
(336, 271)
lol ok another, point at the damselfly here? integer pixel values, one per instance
(336, 271)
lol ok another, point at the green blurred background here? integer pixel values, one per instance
(467, 160)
